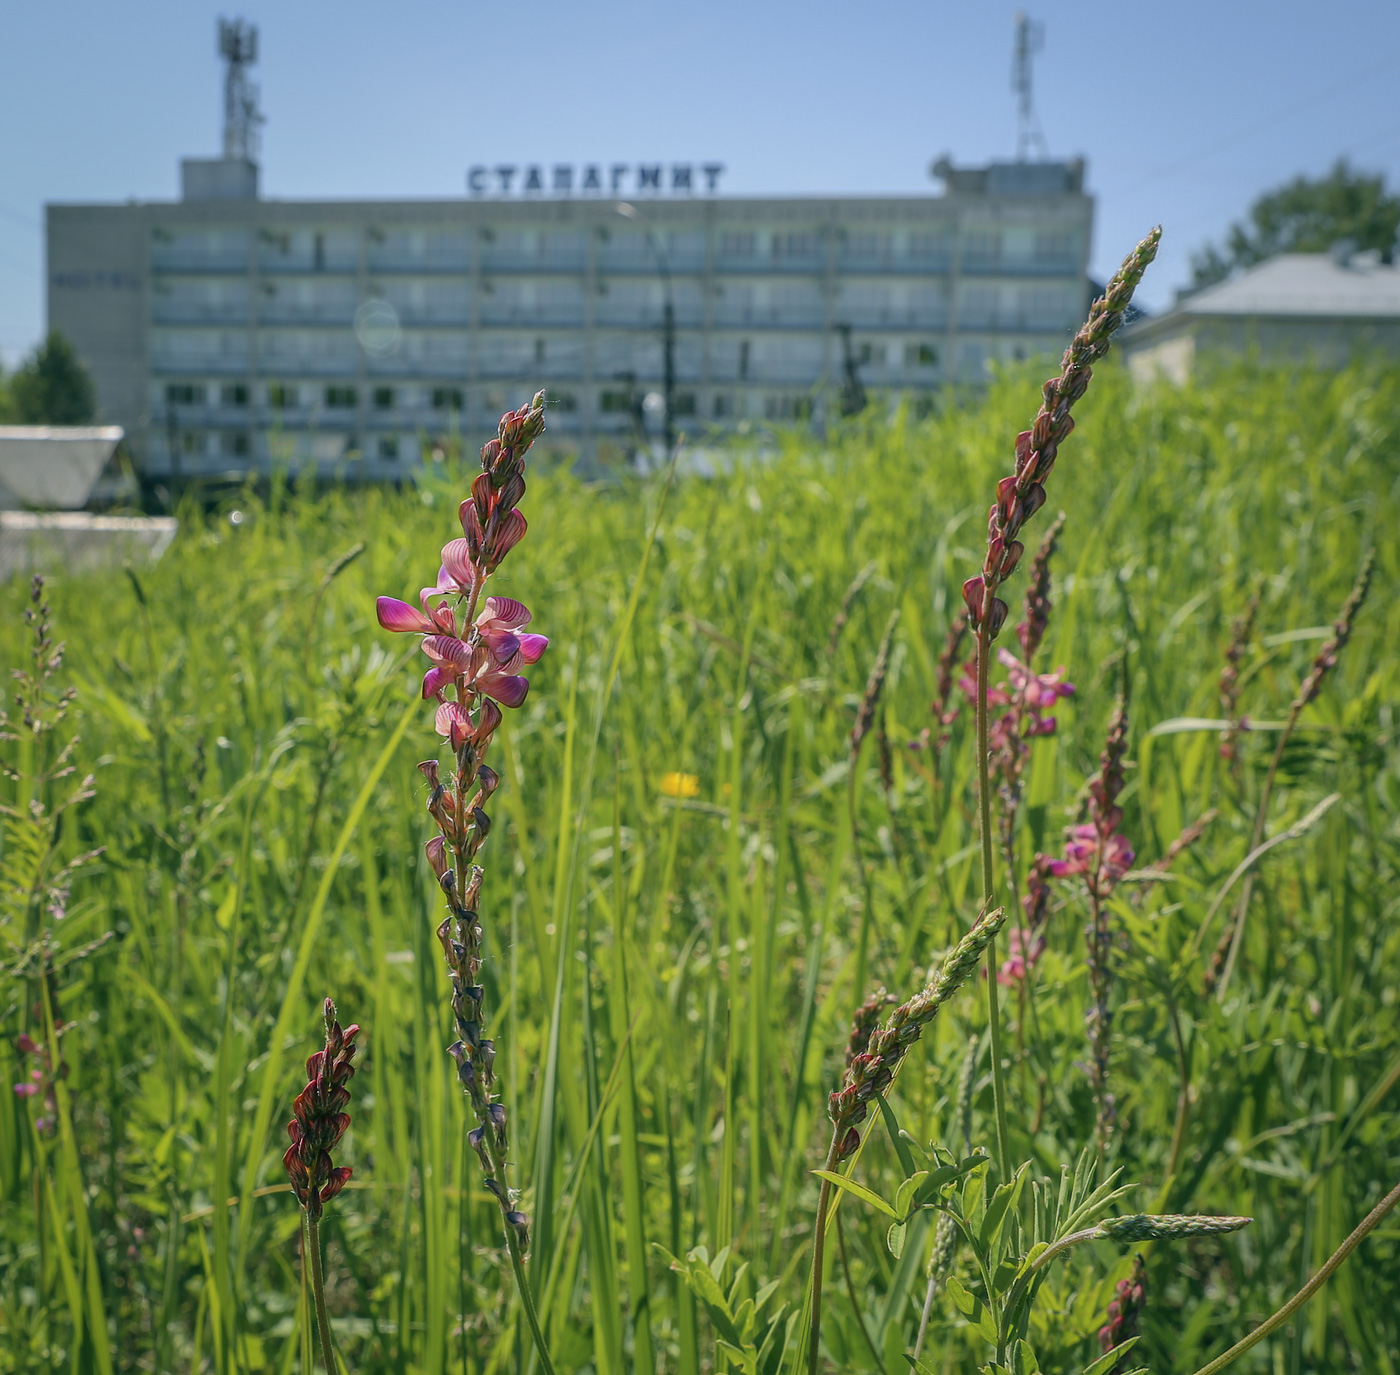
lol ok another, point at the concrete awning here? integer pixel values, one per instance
(52, 467)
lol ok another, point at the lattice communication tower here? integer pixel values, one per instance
(238, 46)
(1030, 138)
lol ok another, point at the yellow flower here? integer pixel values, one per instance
(680, 785)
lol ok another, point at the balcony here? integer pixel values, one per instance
(175, 311)
(274, 312)
(200, 250)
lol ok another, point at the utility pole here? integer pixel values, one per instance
(668, 366)
(852, 389)
(668, 328)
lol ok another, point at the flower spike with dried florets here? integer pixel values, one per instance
(477, 646)
(1021, 494)
(319, 1118)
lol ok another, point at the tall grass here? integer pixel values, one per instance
(673, 975)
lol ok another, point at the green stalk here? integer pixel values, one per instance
(1334, 1261)
(984, 814)
(527, 1302)
(814, 1327)
(318, 1293)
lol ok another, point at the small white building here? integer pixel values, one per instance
(1322, 309)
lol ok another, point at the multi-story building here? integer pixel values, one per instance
(227, 332)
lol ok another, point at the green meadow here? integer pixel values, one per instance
(691, 885)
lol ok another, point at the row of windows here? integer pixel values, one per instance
(292, 396)
(378, 321)
(340, 249)
(628, 404)
(631, 401)
(779, 357)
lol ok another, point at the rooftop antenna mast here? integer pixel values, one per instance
(1030, 139)
(238, 46)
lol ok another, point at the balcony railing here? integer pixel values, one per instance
(177, 312)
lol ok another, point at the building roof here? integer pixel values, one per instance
(1316, 285)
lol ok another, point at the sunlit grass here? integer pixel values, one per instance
(673, 905)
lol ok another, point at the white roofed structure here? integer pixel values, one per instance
(1318, 308)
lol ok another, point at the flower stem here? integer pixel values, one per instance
(318, 1294)
(527, 1301)
(814, 1330)
(1233, 936)
(984, 811)
(1332, 1263)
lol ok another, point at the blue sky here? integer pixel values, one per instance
(1184, 111)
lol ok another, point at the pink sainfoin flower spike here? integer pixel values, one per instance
(477, 646)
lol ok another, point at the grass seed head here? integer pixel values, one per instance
(1167, 1226)
(872, 1071)
(1327, 656)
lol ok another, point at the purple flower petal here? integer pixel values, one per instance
(456, 563)
(487, 720)
(509, 533)
(453, 722)
(448, 651)
(505, 613)
(508, 691)
(502, 644)
(400, 616)
(435, 681)
(532, 646)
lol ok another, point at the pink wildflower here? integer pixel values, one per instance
(476, 650)
(1024, 948)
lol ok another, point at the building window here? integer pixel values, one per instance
(563, 401)
(280, 396)
(184, 394)
(867, 352)
(234, 443)
(683, 403)
(191, 442)
(615, 403)
(785, 406)
(983, 246)
(319, 252)
(234, 394)
(389, 447)
(341, 398)
(723, 405)
(926, 245)
(539, 350)
(920, 356)
(867, 245)
(1053, 246)
(447, 398)
(736, 245)
(743, 358)
(796, 245)
(384, 398)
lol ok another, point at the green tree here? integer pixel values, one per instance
(1307, 216)
(52, 387)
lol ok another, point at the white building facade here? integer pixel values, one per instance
(228, 333)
